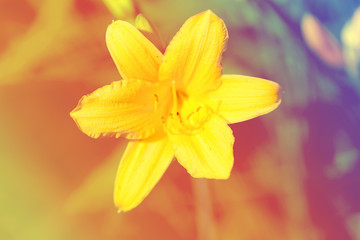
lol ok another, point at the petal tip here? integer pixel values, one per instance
(124, 204)
(117, 22)
(209, 14)
(226, 172)
(278, 92)
(119, 204)
(114, 25)
(72, 114)
(224, 176)
(274, 90)
(275, 94)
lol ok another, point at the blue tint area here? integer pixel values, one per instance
(326, 98)
(333, 14)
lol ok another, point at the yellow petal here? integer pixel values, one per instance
(208, 153)
(193, 57)
(240, 98)
(124, 107)
(134, 55)
(142, 165)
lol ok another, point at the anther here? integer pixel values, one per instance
(179, 116)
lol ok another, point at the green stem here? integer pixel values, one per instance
(204, 211)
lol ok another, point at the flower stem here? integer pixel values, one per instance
(204, 211)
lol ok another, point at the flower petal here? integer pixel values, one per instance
(193, 57)
(124, 107)
(240, 98)
(209, 153)
(142, 165)
(134, 55)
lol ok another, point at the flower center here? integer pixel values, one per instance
(186, 115)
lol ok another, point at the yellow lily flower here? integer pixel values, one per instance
(172, 105)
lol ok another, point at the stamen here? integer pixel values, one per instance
(156, 102)
(187, 118)
(179, 116)
(191, 124)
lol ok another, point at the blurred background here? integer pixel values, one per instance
(297, 170)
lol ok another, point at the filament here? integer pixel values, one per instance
(156, 102)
